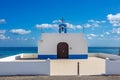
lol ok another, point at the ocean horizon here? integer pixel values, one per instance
(9, 51)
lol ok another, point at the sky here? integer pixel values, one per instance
(23, 21)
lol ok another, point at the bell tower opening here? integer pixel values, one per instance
(62, 27)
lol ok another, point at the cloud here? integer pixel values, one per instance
(3, 37)
(116, 30)
(56, 25)
(103, 21)
(91, 36)
(107, 33)
(95, 23)
(56, 21)
(69, 26)
(101, 35)
(20, 31)
(2, 21)
(2, 31)
(25, 38)
(115, 37)
(79, 27)
(46, 25)
(114, 19)
(87, 25)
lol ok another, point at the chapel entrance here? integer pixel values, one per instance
(62, 50)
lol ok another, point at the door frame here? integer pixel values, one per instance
(60, 54)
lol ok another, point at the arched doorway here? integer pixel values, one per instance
(62, 50)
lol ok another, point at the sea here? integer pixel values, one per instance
(9, 51)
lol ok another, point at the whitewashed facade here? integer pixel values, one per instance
(76, 42)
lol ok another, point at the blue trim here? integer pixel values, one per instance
(84, 56)
(77, 56)
(47, 56)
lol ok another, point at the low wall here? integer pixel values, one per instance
(25, 68)
(110, 56)
(104, 55)
(10, 58)
(92, 54)
(63, 67)
(29, 55)
(92, 67)
(113, 67)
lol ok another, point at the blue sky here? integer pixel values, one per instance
(21, 20)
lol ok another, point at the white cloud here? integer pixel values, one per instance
(107, 33)
(79, 27)
(116, 30)
(115, 38)
(87, 25)
(95, 23)
(56, 21)
(2, 21)
(91, 20)
(101, 35)
(103, 21)
(46, 25)
(3, 37)
(114, 19)
(25, 38)
(91, 36)
(2, 31)
(70, 26)
(56, 25)
(20, 31)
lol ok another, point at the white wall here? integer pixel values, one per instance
(112, 67)
(104, 55)
(110, 56)
(29, 55)
(10, 58)
(48, 43)
(93, 66)
(57, 67)
(25, 68)
(63, 67)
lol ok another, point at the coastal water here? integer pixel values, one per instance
(8, 51)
